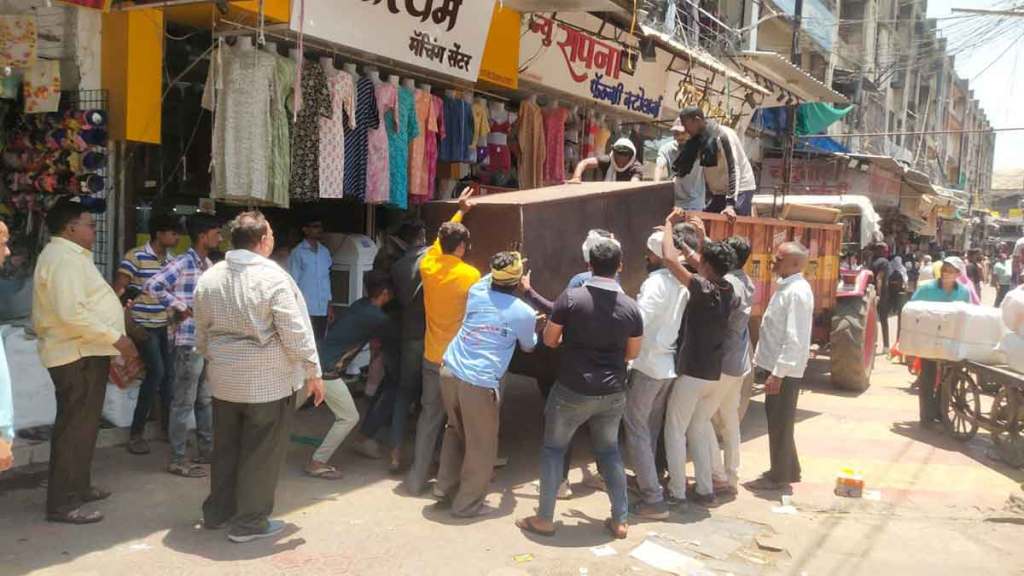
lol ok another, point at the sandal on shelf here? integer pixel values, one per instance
(76, 516)
(186, 470)
(324, 472)
(616, 529)
(527, 525)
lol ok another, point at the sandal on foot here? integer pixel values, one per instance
(186, 470)
(324, 472)
(94, 494)
(76, 516)
(616, 529)
(203, 459)
(137, 445)
(527, 525)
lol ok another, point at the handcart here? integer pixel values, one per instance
(964, 386)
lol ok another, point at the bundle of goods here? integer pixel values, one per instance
(952, 331)
(1012, 345)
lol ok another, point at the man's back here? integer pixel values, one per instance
(405, 275)
(253, 329)
(446, 281)
(597, 322)
(495, 322)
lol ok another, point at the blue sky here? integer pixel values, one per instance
(1000, 88)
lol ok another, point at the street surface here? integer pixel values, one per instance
(941, 508)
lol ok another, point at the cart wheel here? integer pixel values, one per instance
(1007, 419)
(961, 404)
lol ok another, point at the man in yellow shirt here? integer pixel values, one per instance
(446, 281)
(80, 324)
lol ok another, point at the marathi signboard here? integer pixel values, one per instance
(833, 177)
(568, 54)
(444, 36)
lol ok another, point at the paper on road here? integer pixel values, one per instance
(661, 558)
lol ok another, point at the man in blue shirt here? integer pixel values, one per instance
(310, 266)
(474, 364)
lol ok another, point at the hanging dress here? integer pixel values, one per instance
(532, 148)
(554, 142)
(418, 147)
(304, 185)
(378, 178)
(332, 133)
(356, 140)
(401, 131)
(433, 145)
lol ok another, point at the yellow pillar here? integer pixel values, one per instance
(132, 69)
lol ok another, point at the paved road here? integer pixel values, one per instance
(941, 509)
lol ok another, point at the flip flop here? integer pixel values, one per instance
(324, 473)
(610, 527)
(527, 525)
(76, 516)
(186, 470)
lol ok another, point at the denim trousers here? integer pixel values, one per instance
(156, 356)
(566, 411)
(191, 393)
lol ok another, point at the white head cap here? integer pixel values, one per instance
(592, 238)
(654, 243)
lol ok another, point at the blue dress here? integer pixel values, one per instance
(399, 138)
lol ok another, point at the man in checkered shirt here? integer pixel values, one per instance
(174, 288)
(253, 329)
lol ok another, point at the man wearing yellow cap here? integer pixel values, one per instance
(474, 364)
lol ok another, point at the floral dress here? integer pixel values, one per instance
(332, 133)
(378, 178)
(304, 185)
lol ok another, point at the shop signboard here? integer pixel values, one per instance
(567, 53)
(445, 36)
(832, 177)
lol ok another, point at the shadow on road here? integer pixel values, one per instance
(980, 448)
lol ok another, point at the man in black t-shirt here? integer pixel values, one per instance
(880, 267)
(599, 330)
(699, 356)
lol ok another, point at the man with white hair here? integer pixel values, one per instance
(783, 349)
(661, 301)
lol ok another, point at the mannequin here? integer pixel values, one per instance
(409, 83)
(393, 80)
(426, 87)
(468, 97)
(449, 93)
(554, 103)
(532, 99)
(294, 54)
(373, 74)
(271, 47)
(351, 69)
(327, 63)
(244, 43)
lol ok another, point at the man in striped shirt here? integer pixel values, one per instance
(139, 265)
(174, 288)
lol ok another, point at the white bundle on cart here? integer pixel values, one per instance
(952, 331)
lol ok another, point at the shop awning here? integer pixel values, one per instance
(704, 59)
(784, 74)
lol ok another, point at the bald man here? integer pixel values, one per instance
(782, 350)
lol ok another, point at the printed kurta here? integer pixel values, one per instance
(418, 147)
(532, 147)
(281, 130)
(378, 180)
(304, 185)
(332, 133)
(357, 139)
(240, 89)
(432, 146)
(401, 130)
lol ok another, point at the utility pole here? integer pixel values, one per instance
(790, 140)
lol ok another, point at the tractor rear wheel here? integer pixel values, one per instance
(853, 337)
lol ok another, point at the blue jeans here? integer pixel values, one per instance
(156, 357)
(564, 413)
(410, 383)
(190, 394)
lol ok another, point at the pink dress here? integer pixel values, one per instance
(431, 147)
(418, 150)
(554, 139)
(377, 176)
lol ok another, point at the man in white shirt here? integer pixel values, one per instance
(782, 350)
(689, 189)
(662, 300)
